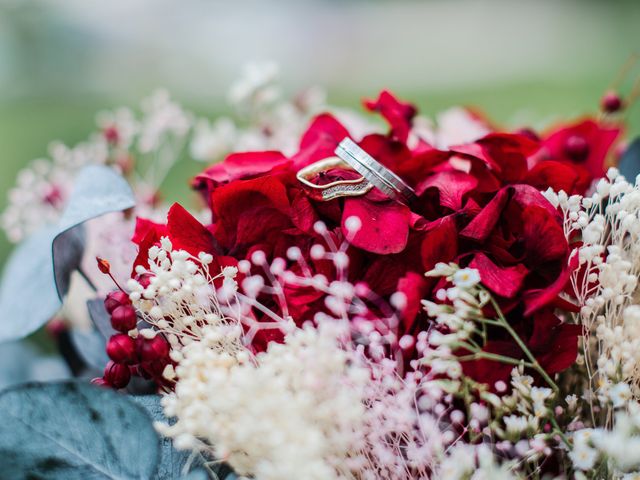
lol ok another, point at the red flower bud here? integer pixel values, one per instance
(151, 350)
(611, 102)
(124, 318)
(117, 375)
(103, 265)
(576, 148)
(121, 348)
(116, 299)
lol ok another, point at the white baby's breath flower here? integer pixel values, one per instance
(466, 278)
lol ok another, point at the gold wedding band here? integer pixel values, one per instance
(336, 189)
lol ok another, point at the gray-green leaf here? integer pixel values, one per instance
(75, 431)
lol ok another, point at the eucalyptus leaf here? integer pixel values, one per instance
(21, 363)
(37, 275)
(75, 431)
(173, 463)
(91, 347)
(100, 317)
(98, 190)
(629, 165)
(28, 296)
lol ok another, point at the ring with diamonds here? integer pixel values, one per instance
(335, 189)
(376, 173)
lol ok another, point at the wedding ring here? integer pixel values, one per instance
(335, 189)
(376, 173)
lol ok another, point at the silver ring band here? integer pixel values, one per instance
(376, 173)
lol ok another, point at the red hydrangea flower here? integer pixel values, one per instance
(479, 205)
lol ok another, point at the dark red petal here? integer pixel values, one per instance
(398, 114)
(440, 243)
(543, 236)
(451, 185)
(538, 298)
(481, 226)
(187, 233)
(385, 225)
(553, 343)
(412, 286)
(506, 154)
(490, 371)
(503, 281)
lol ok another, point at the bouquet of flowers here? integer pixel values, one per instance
(424, 299)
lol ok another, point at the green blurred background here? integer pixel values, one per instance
(522, 62)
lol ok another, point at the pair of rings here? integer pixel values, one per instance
(374, 174)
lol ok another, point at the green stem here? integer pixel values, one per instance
(535, 365)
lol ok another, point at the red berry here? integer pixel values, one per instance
(117, 374)
(611, 102)
(116, 299)
(576, 148)
(154, 369)
(154, 349)
(124, 318)
(121, 348)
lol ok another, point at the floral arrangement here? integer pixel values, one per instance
(440, 299)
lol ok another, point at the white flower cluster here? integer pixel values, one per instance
(618, 447)
(264, 120)
(294, 411)
(180, 300)
(606, 281)
(474, 462)
(42, 188)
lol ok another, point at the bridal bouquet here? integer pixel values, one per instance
(345, 298)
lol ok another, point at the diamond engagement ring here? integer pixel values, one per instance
(335, 189)
(377, 174)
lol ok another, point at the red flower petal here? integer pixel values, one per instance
(503, 281)
(573, 179)
(385, 225)
(398, 114)
(237, 166)
(412, 286)
(320, 140)
(187, 233)
(506, 154)
(553, 343)
(538, 298)
(144, 227)
(597, 139)
(543, 236)
(440, 243)
(481, 226)
(451, 185)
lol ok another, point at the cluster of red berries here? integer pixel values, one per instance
(146, 357)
